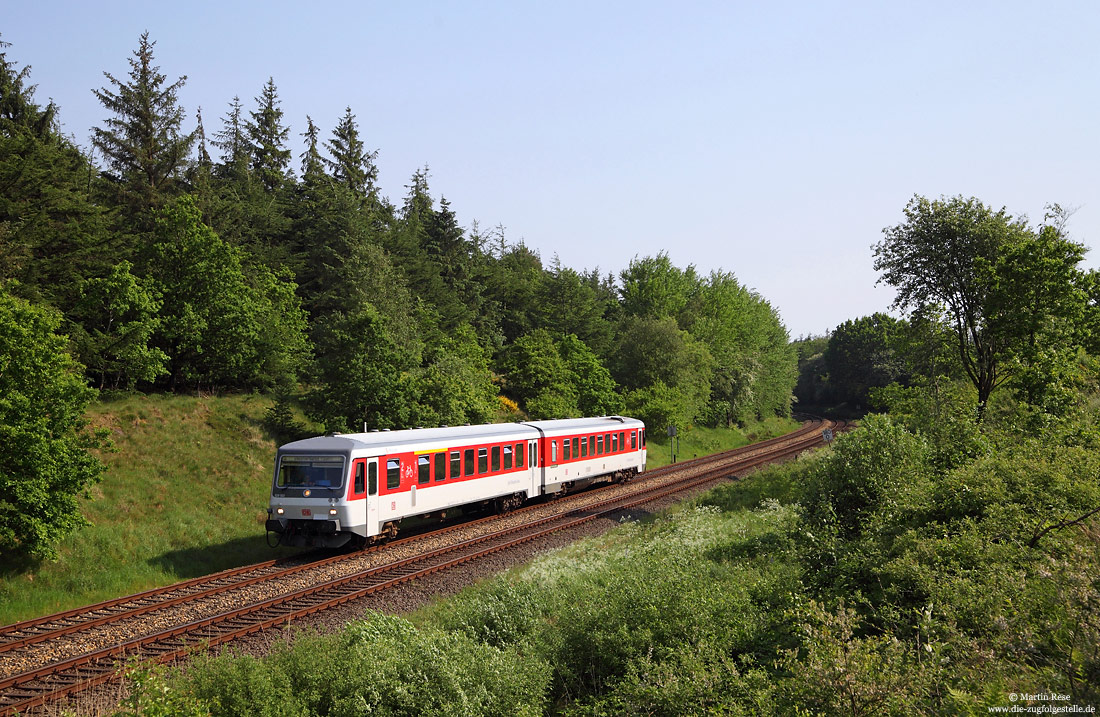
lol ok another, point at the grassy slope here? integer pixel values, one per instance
(185, 494)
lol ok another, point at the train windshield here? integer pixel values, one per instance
(310, 471)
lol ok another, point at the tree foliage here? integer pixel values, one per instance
(52, 232)
(143, 143)
(45, 463)
(973, 261)
(117, 316)
(862, 355)
(269, 157)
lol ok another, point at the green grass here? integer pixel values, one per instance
(699, 441)
(185, 494)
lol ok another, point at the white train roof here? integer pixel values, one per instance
(427, 439)
(582, 425)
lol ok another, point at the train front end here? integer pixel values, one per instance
(309, 495)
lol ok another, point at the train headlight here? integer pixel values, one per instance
(279, 511)
(332, 511)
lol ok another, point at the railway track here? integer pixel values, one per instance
(59, 676)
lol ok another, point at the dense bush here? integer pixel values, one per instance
(380, 666)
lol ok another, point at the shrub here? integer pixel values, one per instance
(382, 665)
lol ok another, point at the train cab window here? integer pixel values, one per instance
(360, 479)
(553, 451)
(599, 445)
(372, 479)
(468, 468)
(496, 458)
(565, 452)
(507, 458)
(393, 473)
(482, 460)
(456, 464)
(584, 447)
(423, 469)
(519, 455)
(440, 466)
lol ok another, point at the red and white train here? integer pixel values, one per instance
(332, 490)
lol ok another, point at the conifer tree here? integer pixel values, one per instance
(204, 159)
(270, 157)
(233, 142)
(143, 145)
(51, 232)
(351, 164)
(312, 161)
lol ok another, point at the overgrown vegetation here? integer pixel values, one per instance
(901, 572)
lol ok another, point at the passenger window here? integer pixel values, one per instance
(456, 464)
(519, 455)
(440, 466)
(393, 473)
(468, 469)
(565, 454)
(599, 445)
(633, 440)
(507, 458)
(482, 461)
(614, 442)
(622, 441)
(372, 479)
(496, 458)
(423, 469)
(584, 447)
(576, 448)
(359, 478)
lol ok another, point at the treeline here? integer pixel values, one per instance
(180, 259)
(991, 300)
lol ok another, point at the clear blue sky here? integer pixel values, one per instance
(773, 140)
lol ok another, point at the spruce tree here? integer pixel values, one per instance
(351, 164)
(313, 164)
(51, 232)
(143, 145)
(270, 157)
(233, 142)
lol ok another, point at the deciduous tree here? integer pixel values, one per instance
(976, 263)
(45, 463)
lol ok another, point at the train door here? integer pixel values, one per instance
(371, 503)
(362, 497)
(538, 485)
